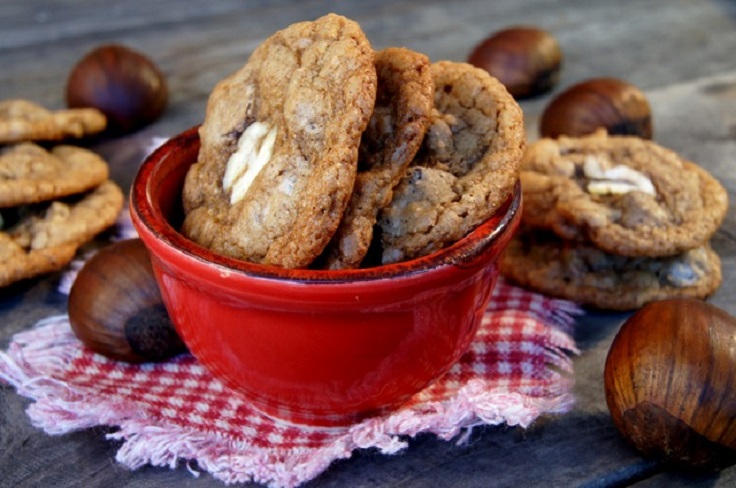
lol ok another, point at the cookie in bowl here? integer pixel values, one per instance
(279, 145)
(404, 101)
(464, 171)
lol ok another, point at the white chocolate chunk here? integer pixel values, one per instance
(255, 148)
(607, 187)
(595, 167)
(681, 274)
(615, 180)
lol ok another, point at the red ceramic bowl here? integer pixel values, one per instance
(315, 347)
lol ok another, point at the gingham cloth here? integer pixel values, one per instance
(517, 368)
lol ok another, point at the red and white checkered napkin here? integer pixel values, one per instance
(517, 368)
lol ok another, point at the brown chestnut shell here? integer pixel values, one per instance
(526, 60)
(115, 306)
(670, 382)
(615, 105)
(122, 83)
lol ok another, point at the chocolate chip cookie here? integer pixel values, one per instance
(542, 261)
(22, 120)
(404, 101)
(29, 173)
(465, 170)
(42, 238)
(279, 145)
(625, 195)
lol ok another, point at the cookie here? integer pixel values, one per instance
(21, 120)
(541, 261)
(404, 100)
(625, 195)
(465, 170)
(43, 238)
(279, 145)
(29, 173)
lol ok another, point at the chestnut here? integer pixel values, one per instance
(670, 383)
(122, 83)
(615, 105)
(526, 60)
(115, 306)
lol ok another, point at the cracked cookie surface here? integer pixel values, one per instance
(465, 170)
(22, 120)
(295, 113)
(543, 262)
(29, 173)
(404, 100)
(44, 237)
(625, 195)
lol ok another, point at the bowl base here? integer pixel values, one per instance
(322, 421)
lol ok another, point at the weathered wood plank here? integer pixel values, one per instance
(646, 43)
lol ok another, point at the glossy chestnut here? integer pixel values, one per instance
(615, 105)
(670, 381)
(115, 306)
(526, 60)
(122, 83)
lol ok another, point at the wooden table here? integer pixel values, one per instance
(680, 52)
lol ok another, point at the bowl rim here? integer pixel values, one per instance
(147, 217)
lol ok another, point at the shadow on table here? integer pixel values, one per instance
(597, 326)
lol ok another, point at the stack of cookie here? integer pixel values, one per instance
(615, 222)
(320, 149)
(53, 197)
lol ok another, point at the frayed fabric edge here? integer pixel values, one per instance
(59, 409)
